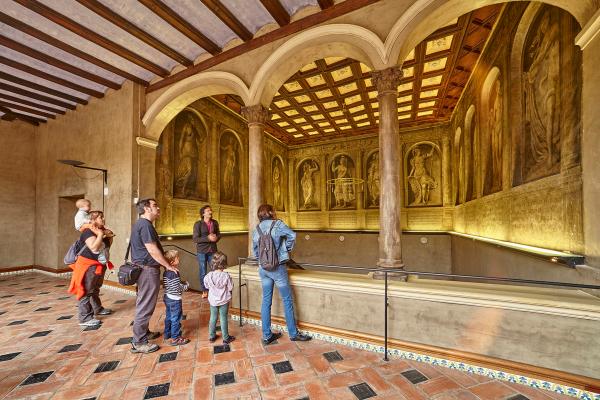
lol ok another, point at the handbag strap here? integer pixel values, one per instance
(127, 252)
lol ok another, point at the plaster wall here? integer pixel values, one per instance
(17, 197)
(101, 134)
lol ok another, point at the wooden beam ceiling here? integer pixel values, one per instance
(133, 30)
(44, 37)
(31, 103)
(177, 22)
(92, 36)
(325, 4)
(37, 96)
(41, 88)
(14, 106)
(227, 17)
(277, 11)
(22, 117)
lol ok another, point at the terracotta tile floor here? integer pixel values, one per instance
(62, 361)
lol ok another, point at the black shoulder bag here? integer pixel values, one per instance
(129, 272)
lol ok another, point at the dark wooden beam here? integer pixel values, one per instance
(37, 96)
(228, 19)
(44, 37)
(277, 11)
(111, 16)
(41, 88)
(48, 77)
(31, 103)
(21, 48)
(92, 36)
(13, 106)
(337, 10)
(176, 21)
(22, 117)
(325, 4)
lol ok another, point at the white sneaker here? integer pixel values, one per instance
(91, 322)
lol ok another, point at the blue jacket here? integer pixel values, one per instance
(283, 236)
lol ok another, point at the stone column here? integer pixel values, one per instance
(256, 116)
(446, 175)
(390, 204)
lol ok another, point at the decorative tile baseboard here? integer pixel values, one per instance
(460, 366)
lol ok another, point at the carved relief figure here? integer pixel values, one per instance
(277, 183)
(423, 181)
(308, 201)
(230, 171)
(187, 167)
(343, 188)
(495, 130)
(541, 84)
(373, 184)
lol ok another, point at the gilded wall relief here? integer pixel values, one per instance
(164, 179)
(230, 169)
(278, 182)
(372, 191)
(493, 137)
(341, 187)
(541, 97)
(190, 174)
(423, 175)
(309, 185)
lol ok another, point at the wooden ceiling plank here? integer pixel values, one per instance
(177, 22)
(26, 109)
(40, 88)
(49, 77)
(38, 55)
(37, 96)
(228, 19)
(325, 4)
(31, 103)
(8, 20)
(92, 36)
(22, 117)
(109, 15)
(277, 11)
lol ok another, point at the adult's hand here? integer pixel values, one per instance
(212, 237)
(97, 231)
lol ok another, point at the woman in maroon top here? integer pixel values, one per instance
(206, 236)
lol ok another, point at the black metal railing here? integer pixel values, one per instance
(180, 248)
(405, 273)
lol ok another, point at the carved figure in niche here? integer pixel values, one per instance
(420, 178)
(308, 186)
(277, 192)
(229, 170)
(495, 130)
(373, 184)
(541, 84)
(187, 169)
(343, 190)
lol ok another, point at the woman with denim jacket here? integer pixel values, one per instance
(284, 239)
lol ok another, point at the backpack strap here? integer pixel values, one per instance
(260, 232)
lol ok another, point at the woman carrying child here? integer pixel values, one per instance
(219, 285)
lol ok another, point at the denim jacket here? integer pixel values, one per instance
(283, 236)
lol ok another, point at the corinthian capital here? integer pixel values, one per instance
(255, 114)
(387, 80)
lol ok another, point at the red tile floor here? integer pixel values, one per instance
(50, 356)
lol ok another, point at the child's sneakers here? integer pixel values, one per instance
(180, 341)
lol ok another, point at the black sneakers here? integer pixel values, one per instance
(274, 336)
(300, 338)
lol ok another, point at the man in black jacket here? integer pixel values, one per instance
(206, 236)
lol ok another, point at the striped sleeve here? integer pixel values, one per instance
(173, 285)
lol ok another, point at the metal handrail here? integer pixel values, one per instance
(180, 248)
(397, 271)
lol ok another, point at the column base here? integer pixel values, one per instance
(392, 264)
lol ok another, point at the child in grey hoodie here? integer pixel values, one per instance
(219, 285)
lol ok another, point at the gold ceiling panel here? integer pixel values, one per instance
(351, 87)
(333, 60)
(290, 130)
(429, 93)
(311, 108)
(323, 124)
(404, 99)
(282, 103)
(439, 44)
(315, 80)
(368, 82)
(405, 87)
(353, 99)
(424, 113)
(308, 67)
(341, 74)
(408, 72)
(404, 116)
(306, 127)
(435, 65)
(283, 123)
(357, 109)
(298, 135)
(372, 95)
(336, 114)
(299, 120)
(405, 108)
(375, 105)
(291, 113)
(302, 99)
(410, 56)
(331, 104)
(366, 123)
(432, 81)
(341, 121)
(292, 86)
(360, 117)
(312, 133)
(364, 68)
(317, 117)
(427, 104)
(328, 130)
(324, 94)
(275, 116)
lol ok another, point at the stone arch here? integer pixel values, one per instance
(185, 92)
(426, 16)
(345, 40)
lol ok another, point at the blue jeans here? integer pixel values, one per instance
(279, 278)
(173, 316)
(221, 312)
(203, 260)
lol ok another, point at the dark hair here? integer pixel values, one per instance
(265, 211)
(218, 261)
(204, 209)
(140, 205)
(95, 214)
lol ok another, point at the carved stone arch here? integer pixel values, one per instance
(232, 168)
(423, 175)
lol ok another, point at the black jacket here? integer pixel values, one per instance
(203, 245)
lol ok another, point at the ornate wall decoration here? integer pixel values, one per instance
(492, 140)
(230, 169)
(372, 187)
(423, 175)
(309, 185)
(278, 183)
(341, 190)
(541, 146)
(190, 177)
